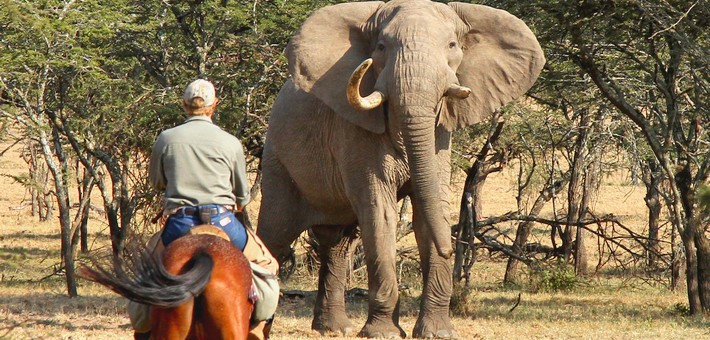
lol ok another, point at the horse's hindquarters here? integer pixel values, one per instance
(224, 306)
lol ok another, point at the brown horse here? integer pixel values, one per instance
(199, 291)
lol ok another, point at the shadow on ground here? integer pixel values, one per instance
(27, 235)
(530, 308)
(47, 305)
(299, 304)
(561, 308)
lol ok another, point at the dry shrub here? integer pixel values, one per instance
(559, 278)
(680, 309)
(463, 301)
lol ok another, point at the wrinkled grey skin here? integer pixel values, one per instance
(330, 166)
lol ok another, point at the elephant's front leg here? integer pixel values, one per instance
(378, 240)
(335, 245)
(434, 318)
(433, 321)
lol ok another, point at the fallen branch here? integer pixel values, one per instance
(516, 303)
(493, 243)
(301, 294)
(584, 224)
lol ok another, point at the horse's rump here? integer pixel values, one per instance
(200, 288)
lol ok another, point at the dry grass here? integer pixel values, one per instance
(33, 304)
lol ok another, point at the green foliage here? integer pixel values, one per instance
(560, 278)
(113, 73)
(26, 181)
(120, 66)
(704, 197)
(99, 80)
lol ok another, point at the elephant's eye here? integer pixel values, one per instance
(380, 46)
(452, 44)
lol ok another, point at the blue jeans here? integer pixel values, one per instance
(179, 224)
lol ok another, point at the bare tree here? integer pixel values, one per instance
(31, 113)
(672, 122)
(470, 208)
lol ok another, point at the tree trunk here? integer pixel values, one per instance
(30, 158)
(48, 202)
(84, 232)
(62, 195)
(512, 274)
(119, 208)
(654, 213)
(573, 191)
(473, 214)
(470, 208)
(581, 258)
(84, 187)
(677, 264)
(703, 257)
(67, 248)
(62, 190)
(691, 273)
(652, 180)
(697, 274)
(35, 202)
(465, 251)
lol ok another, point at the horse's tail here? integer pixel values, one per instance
(138, 276)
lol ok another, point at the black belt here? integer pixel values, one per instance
(195, 211)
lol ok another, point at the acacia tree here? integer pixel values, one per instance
(672, 118)
(44, 55)
(95, 83)
(649, 60)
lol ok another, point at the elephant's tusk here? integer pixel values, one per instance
(370, 102)
(458, 91)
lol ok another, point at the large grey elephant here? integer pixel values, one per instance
(334, 159)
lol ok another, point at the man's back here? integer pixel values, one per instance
(198, 163)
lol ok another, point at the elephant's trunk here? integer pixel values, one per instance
(416, 91)
(418, 135)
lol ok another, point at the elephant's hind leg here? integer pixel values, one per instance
(335, 246)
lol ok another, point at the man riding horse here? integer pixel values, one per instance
(202, 171)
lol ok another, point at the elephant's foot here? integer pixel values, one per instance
(432, 326)
(382, 328)
(332, 322)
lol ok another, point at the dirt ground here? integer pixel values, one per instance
(609, 305)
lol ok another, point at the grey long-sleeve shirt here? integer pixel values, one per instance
(198, 163)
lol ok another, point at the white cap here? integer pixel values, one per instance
(200, 88)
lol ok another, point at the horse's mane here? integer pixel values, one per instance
(138, 276)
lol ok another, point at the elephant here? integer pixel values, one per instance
(334, 159)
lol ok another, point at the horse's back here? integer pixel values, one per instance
(223, 310)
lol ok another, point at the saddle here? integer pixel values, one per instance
(208, 229)
(156, 246)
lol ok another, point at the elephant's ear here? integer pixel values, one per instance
(326, 50)
(501, 61)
